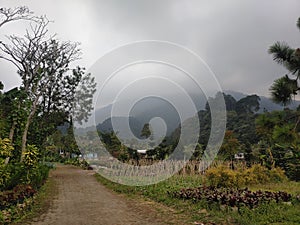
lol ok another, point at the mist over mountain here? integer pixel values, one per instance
(151, 107)
(140, 114)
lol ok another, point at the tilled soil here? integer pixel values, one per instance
(81, 200)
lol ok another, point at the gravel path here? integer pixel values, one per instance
(82, 200)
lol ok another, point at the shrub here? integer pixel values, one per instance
(72, 161)
(38, 175)
(260, 174)
(222, 176)
(76, 162)
(4, 176)
(17, 176)
(31, 156)
(6, 149)
(17, 195)
(231, 197)
(277, 175)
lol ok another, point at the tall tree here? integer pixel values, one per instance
(230, 145)
(146, 131)
(42, 62)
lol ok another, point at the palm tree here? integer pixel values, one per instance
(284, 88)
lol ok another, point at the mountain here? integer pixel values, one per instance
(120, 124)
(143, 111)
(266, 104)
(241, 115)
(148, 108)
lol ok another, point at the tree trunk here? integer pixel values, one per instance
(12, 131)
(29, 118)
(11, 136)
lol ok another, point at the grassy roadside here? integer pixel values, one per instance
(42, 202)
(201, 212)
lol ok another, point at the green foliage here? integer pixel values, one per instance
(78, 162)
(240, 120)
(38, 175)
(30, 170)
(146, 131)
(5, 176)
(115, 147)
(221, 176)
(269, 213)
(284, 88)
(280, 146)
(18, 200)
(17, 176)
(18, 173)
(16, 195)
(284, 134)
(6, 149)
(31, 156)
(230, 145)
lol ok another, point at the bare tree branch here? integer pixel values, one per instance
(17, 13)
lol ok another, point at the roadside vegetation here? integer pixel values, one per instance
(31, 113)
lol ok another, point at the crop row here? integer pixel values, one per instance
(231, 196)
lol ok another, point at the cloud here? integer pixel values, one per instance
(231, 36)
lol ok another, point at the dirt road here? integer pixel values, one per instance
(81, 200)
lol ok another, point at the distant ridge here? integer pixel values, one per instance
(154, 108)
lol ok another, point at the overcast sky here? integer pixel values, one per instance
(231, 36)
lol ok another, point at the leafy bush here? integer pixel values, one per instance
(222, 176)
(38, 175)
(20, 174)
(6, 149)
(259, 173)
(85, 165)
(277, 175)
(72, 161)
(17, 175)
(5, 176)
(15, 203)
(76, 162)
(17, 195)
(31, 156)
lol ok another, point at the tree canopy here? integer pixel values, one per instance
(285, 88)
